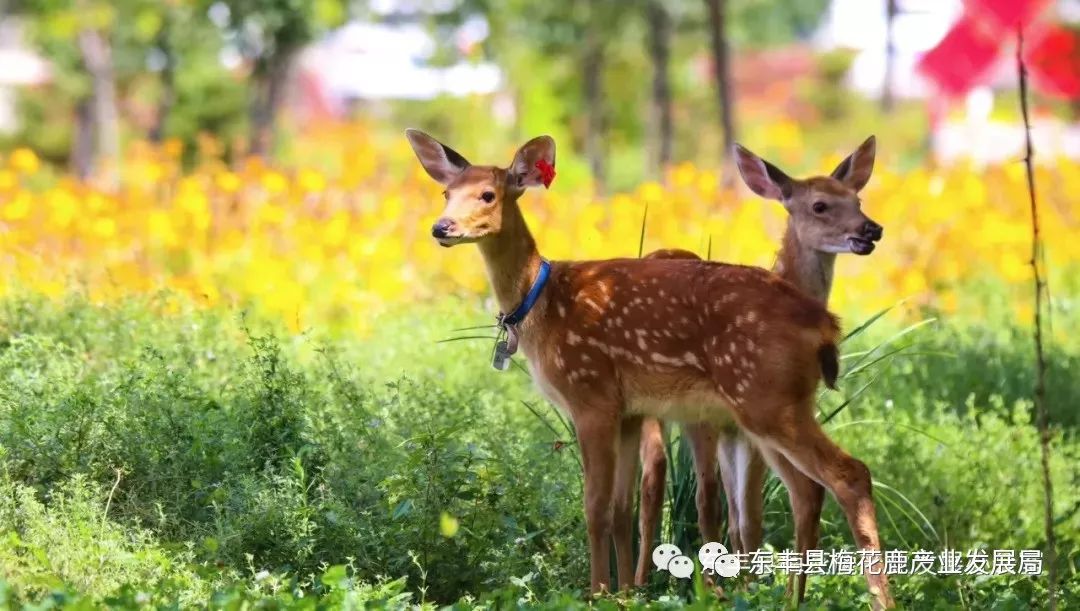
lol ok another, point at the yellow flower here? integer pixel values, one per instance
(24, 161)
(310, 181)
(8, 180)
(275, 183)
(228, 182)
(104, 228)
(448, 525)
(18, 208)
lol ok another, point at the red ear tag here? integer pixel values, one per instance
(547, 172)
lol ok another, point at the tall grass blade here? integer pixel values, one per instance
(641, 240)
(890, 423)
(847, 401)
(465, 337)
(924, 520)
(492, 326)
(870, 321)
(895, 337)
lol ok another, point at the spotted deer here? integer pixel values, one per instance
(610, 342)
(825, 218)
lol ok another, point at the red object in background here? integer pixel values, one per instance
(547, 172)
(962, 58)
(1005, 15)
(1053, 61)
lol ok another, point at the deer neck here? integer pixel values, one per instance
(511, 259)
(807, 268)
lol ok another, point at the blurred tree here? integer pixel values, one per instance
(890, 56)
(562, 46)
(92, 50)
(269, 33)
(766, 23)
(659, 24)
(167, 52)
(195, 92)
(722, 70)
(104, 55)
(564, 60)
(95, 45)
(592, 74)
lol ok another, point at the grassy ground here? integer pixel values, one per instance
(154, 455)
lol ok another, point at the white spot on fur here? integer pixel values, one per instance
(599, 345)
(691, 359)
(666, 360)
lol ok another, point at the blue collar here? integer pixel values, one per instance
(522, 310)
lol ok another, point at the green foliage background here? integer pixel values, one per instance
(197, 458)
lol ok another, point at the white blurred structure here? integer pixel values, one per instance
(861, 25)
(391, 61)
(19, 67)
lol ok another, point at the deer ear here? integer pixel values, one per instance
(532, 160)
(762, 177)
(441, 162)
(855, 170)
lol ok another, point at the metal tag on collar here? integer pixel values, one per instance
(501, 360)
(506, 344)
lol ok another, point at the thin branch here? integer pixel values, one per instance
(1042, 418)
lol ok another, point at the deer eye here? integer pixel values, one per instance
(819, 207)
(488, 196)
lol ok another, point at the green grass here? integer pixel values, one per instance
(201, 459)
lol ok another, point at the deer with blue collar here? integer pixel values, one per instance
(612, 341)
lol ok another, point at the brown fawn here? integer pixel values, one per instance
(612, 341)
(825, 219)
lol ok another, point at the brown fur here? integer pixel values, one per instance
(805, 259)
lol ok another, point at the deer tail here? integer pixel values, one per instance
(827, 354)
(829, 359)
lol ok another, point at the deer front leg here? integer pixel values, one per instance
(703, 442)
(598, 433)
(623, 518)
(653, 480)
(807, 497)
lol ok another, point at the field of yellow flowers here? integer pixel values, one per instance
(334, 248)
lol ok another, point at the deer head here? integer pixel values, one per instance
(479, 199)
(826, 211)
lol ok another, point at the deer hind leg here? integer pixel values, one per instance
(806, 446)
(749, 497)
(703, 442)
(622, 528)
(729, 476)
(653, 480)
(598, 435)
(807, 497)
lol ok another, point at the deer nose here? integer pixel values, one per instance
(872, 230)
(442, 227)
